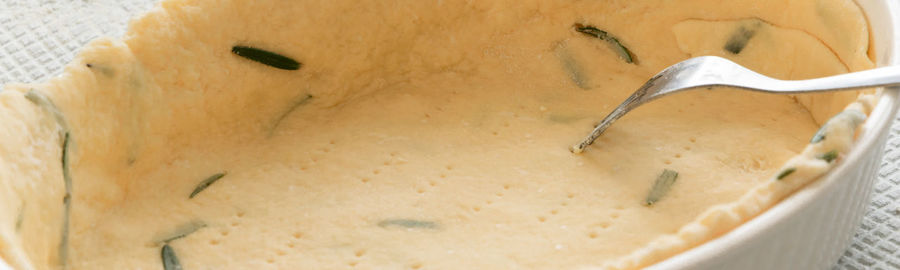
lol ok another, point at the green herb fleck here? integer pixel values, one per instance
(785, 173)
(266, 57)
(829, 156)
(106, 71)
(302, 100)
(67, 202)
(563, 119)
(740, 38)
(613, 42)
(206, 183)
(184, 230)
(408, 223)
(169, 259)
(819, 136)
(851, 117)
(20, 218)
(67, 175)
(662, 186)
(63, 248)
(41, 100)
(572, 67)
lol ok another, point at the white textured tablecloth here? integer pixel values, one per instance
(37, 38)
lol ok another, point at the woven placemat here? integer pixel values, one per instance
(37, 38)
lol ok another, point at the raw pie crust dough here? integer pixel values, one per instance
(436, 136)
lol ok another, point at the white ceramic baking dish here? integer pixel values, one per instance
(811, 228)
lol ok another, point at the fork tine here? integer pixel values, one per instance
(663, 83)
(636, 99)
(668, 81)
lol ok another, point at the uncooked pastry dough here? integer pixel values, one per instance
(436, 136)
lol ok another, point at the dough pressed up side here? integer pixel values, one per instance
(416, 135)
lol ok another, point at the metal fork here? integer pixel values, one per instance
(712, 71)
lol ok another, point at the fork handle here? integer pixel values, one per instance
(883, 76)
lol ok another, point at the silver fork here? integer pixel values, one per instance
(711, 71)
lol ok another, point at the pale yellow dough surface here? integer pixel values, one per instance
(436, 136)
